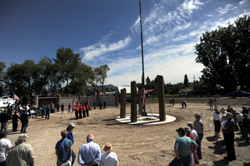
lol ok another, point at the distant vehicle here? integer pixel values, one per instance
(238, 94)
(5, 101)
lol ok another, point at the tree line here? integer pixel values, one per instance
(47, 77)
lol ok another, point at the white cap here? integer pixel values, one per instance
(71, 124)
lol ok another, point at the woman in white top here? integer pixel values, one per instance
(5, 146)
(195, 138)
(109, 158)
(217, 123)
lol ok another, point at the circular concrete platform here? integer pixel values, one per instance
(151, 119)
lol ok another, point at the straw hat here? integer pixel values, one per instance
(108, 147)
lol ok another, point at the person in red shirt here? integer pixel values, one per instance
(76, 111)
(87, 110)
(84, 110)
(80, 111)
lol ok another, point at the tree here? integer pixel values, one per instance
(224, 52)
(2, 68)
(148, 80)
(67, 62)
(103, 70)
(26, 78)
(83, 76)
(185, 80)
(52, 76)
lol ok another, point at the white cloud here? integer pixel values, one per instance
(102, 47)
(225, 9)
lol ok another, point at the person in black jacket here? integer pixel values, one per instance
(4, 121)
(24, 119)
(14, 121)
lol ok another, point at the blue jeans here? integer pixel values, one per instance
(199, 145)
(184, 160)
(245, 130)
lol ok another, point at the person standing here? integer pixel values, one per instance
(24, 119)
(215, 103)
(62, 108)
(198, 126)
(100, 105)
(104, 104)
(52, 107)
(182, 149)
(76, 112)
(229, 137)
(217, 122)
(58, 107)
(4, 120)
(64, 150)
(22, 154)
(188, 134)
(245, 125)
(43, 110)
(87, 110)
(173, 102)
(90, 152)
(5, 146)
(94, 105)
(70, 136)
(47, 112)
(210, 103)
(84, 111)
(109, 158)
(195, 138)
(69, 108)
(15, 118)
(185, 103)
(80, 111)
(182, 103)
(240, 121)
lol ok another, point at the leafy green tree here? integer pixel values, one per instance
(224, 52)
(83, 75)
(53, 77)
(26, 78)
(67, 62)
(185, 80)
(2, 72)
(103, 74)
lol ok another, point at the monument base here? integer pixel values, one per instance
(144, 114)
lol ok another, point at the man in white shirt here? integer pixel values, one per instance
(5, 145)
(109, 158)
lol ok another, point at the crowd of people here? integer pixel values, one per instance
(188, 149)
(89, 154)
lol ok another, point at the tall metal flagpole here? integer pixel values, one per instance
(143, 77)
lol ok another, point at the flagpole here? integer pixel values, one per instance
(143, 77)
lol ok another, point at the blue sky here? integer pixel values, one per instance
(108, 32)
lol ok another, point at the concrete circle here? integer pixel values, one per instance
(151, 119)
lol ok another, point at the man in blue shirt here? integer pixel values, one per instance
(47, 112)
(43, 110)
(89, 153)
(70, 136)
(182, 149)
(64, 150)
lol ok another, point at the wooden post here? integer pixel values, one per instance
(133, 102)
(161, 97)
(123, 103)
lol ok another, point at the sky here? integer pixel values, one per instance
(108, 32)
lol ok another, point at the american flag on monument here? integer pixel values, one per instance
(15, 97)
(143, 96)
(73, 104)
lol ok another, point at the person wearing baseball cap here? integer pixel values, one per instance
(182, 149)
(109, 158)
(70, 136)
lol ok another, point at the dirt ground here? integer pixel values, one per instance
(135, 145)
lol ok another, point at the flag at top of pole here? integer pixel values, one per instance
(15, 97)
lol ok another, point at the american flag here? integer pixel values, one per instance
(15, 97)
(73, 104)
(143, 96)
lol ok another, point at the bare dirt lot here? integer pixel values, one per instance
(135, 145)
